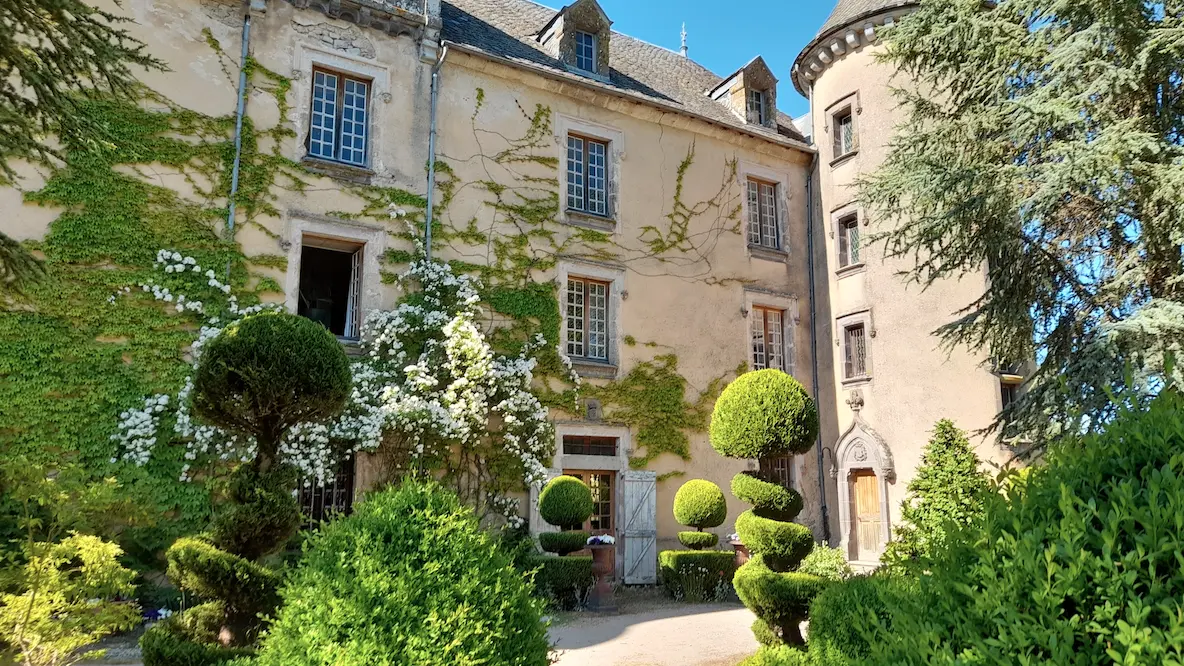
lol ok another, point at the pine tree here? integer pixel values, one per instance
(52, 53)
(1042, 139)
(947, 491)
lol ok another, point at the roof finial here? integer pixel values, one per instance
(684, 39)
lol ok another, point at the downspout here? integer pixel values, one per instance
(432, 151)
(813, 320)
(238, 125)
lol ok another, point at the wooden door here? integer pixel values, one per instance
(866, 526)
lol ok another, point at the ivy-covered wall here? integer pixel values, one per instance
(92, 342)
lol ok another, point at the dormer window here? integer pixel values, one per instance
(756, 106)
(586, 56)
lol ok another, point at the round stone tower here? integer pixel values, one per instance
(892, 379)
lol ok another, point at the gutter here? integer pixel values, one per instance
(238, 124)
(814, 322)
(432, 150)
(778, 140)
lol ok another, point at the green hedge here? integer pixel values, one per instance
(771, 499)
(780, 655)
(844, 614)
(698, 540)
(700, 503)
(690, 575)
(562, 543)
(761, 414)
(169, 643)
(565, 502)
(563, 581)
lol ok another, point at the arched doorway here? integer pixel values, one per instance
(864, 470)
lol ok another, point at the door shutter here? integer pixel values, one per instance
(537, 524)
(353, 314)
(639, 520)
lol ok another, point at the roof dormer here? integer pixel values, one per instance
(751, 93)
(579, 36)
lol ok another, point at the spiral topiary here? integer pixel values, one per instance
(762, 414)
(258, 377)
(565, 502)
(700, 504)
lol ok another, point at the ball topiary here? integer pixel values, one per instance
(563, 543)
(761, 414)
(701, 504)
(698, 540)
(268, 372)
(409, 578)
(565, 502)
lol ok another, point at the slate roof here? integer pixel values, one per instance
(507, 29)
(850, 10)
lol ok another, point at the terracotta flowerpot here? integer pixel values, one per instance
(602, 599)
(742, 554)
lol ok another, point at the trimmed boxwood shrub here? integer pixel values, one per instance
(410, 578)
(170, 643)
(698, 540)
(565, 502)
(563, 581)
(762, 414)
(701, 504)
(780, 599)
(774, 500)
(696, 575)
(844, 614)
(780, 655)
(783, 544)
(562, 543)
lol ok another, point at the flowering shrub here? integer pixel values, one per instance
(702, 575)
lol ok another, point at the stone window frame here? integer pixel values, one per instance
(842, 323)
(372, 238)
(861, 448)
(837, 217)
(566, 126)
(789, 305)
(615, 277)
(848, 104)
(308, 58)
(746, 171)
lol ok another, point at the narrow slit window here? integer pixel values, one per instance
(587, 176)
(855, 351)
(587, 319)
(763, 224)
(844, 129)
(849, 242)
(339, 121)
(768, 339)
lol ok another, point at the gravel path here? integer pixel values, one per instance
(691, 635)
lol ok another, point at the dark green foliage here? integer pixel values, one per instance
(565, 502)
(761, 414)
(245, 588)
(781, 599)
(410, 579)
(698, 540)
(947, 490)
(170, 643)
(783, 544)
(696, 575)
(780, 655)
(261, 513)
(267, 372)
(699, 503)
(844, 613)
(1078, 564)
(771, 500)
(562, 543)
(18, 267)
(563, 581)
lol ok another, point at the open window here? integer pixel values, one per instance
(331, 284)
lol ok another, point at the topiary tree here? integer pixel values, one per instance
(948, 490)
(565, 502)
(258, 378)
(409, 578)
(700, 503)
(762, 414)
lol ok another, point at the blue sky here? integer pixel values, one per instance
(725, 35)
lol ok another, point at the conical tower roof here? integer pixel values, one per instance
(849, 11)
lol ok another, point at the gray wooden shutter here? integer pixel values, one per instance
(639, 512)
(537, 524)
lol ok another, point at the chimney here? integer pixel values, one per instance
(684, 40)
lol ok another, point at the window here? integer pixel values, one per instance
(763, 228)
(586, 55)
(756, 106)
(854, 351)
(582, 445)
(779, 470)
(587, 175)
(322, 500)
(601, 485)
(587, 319)
(331, 285)
(338, 125)
(1009, 392)
(768, 338)
(848, 241)
(844, 129)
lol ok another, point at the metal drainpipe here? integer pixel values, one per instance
(432, 151)
(813, 322)
(238, 123)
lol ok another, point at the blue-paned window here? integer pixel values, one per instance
(339, 123)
